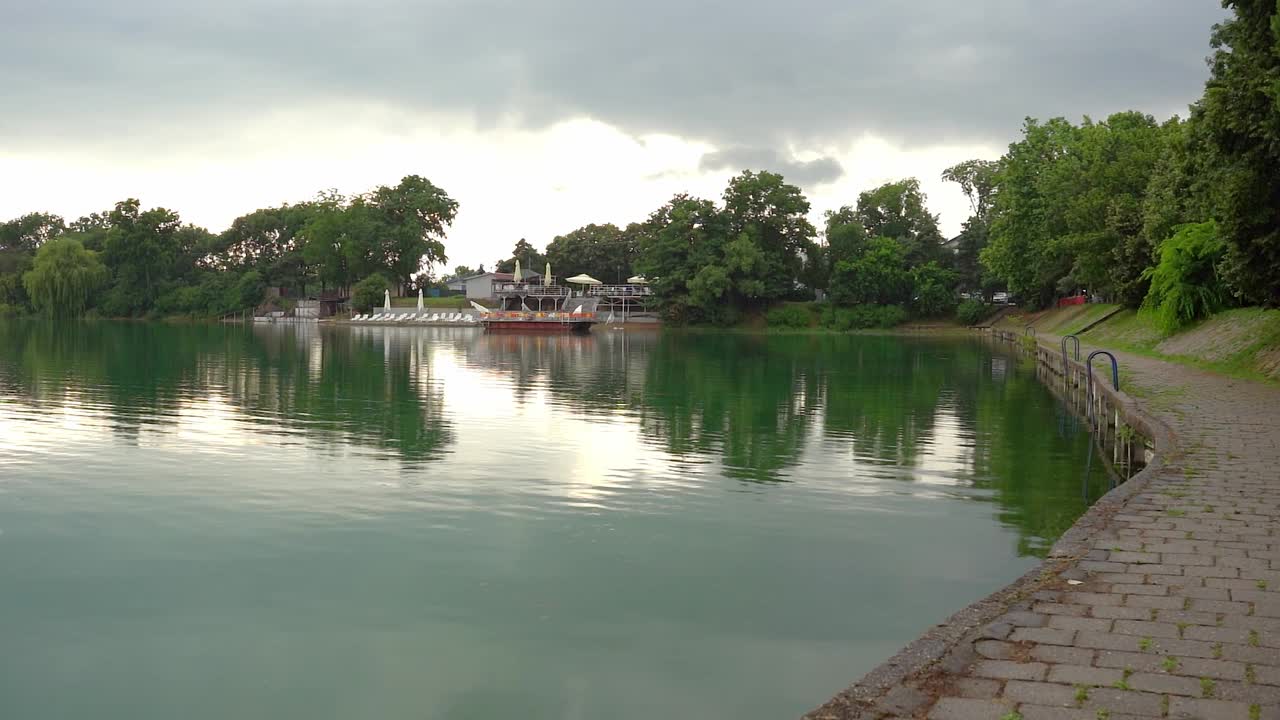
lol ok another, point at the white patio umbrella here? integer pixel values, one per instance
(419, 299)
(546, 277)
(516, 276)
(584, 280)
(637, 280)
(386, 299)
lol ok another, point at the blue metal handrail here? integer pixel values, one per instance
(1115, 367)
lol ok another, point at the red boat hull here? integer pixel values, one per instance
(537, 326)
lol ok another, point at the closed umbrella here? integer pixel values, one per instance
(517, 275)
(546, 278)
(419, 299)
(386, 299)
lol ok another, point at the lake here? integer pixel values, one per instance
(214, 522)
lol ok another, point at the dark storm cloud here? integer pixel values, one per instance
(737, 73)
(802, 172)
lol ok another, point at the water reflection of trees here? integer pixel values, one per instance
(758, 405)
(326, 386)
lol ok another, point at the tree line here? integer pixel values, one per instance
(131, 262)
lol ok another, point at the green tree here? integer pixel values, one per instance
(771, 236)
(1186, 286)
(978, 180)
(878, 277)
(677, 242)
(1241, 114)
(527, 254)
(369, 293)
(897, 210)
(64, 278)
(604, 252)
(413, 218)
(933, 290)
(141, 249)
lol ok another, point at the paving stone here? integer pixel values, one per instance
(1140, 589)
(1063, 622)
(1024, 619)
(1008, 670)
(1107, 641)
(1126, 556)
(1039, 693)
(1201, 709)
(1090, 598)
(903, 700)
(1048, 636)
(1151, 601)
(1125, 701)
(1146, 628)
(994, 649)
(1083, 675)
(968, 709)
(1122, 613)
(1060, 654)
(1061, 609)
(1043, 712)
(1170, 684)
(1144, 662)
(1216, 669)
(976, 688)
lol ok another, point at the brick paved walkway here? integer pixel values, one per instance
(1175, 612)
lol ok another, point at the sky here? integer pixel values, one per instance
(540, 116)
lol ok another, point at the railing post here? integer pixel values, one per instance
(1029, 330)
(1064, 351)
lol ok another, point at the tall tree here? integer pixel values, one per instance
(682, 254)
(770, 236)
(527, 254)
(64, 277)
(140, 249)
(1241, 113)
(898, 210)
(604, 252)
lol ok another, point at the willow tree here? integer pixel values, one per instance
(64, 277)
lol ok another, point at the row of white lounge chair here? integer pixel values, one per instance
(463, 318)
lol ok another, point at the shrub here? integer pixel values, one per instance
(1185, 285)
(368, 293)
(789, 316)
(933, 295)
(861, 317)
(972, 312)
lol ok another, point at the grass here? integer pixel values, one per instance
(451, 301)
(1082, 694)
(1206, 687)
(1134, 333)
(1254, 639)
(1145, 643)
(1170, 663)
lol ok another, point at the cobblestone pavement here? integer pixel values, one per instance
(1175, 611)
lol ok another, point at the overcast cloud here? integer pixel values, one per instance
(756, 81)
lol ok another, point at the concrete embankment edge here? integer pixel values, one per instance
(902, 684)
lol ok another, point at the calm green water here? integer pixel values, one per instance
(209, 522)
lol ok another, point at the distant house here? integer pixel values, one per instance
(480, 287)
(953, 244)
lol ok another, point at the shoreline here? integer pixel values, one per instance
(913, 678)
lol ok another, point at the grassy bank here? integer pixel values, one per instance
(454, 302)
(1243, 343)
